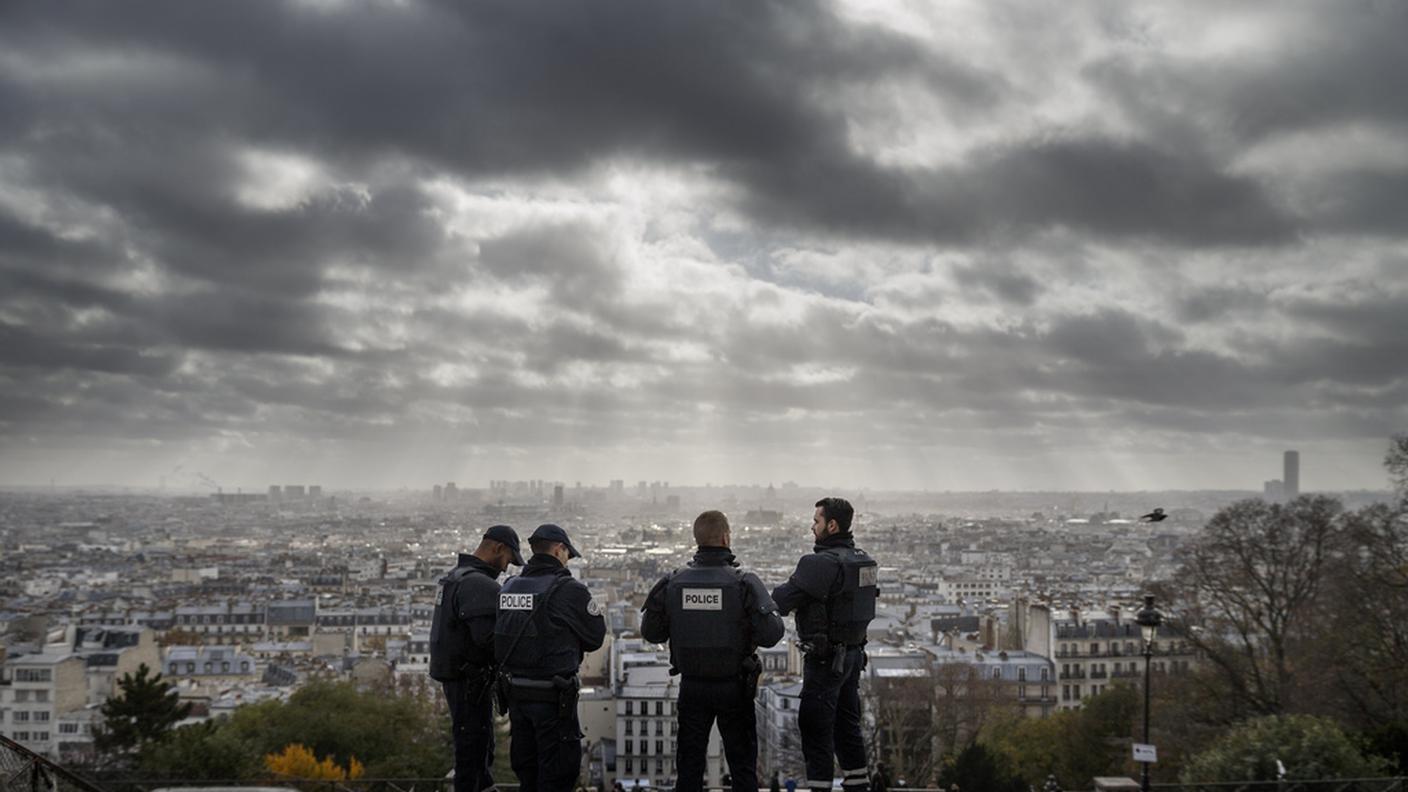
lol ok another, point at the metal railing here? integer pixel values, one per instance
(303, 785)
(1398, 784)
(23, 770)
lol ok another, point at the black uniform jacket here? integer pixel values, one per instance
(766, 624)
(572, 608)
(474, 604)
(817, 575)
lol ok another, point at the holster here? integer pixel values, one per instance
(749, 674)
(501, 692)
(817, 647)
(567, 688)
(838, 659)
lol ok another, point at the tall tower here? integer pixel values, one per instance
(1291, 475)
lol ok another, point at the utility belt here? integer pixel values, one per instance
(822, 650)
(559, 690)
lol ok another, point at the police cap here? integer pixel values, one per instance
(509, 538)
(548, 532)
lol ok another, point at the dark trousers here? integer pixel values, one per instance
(829, 720)
(545, 748)
(702, 701)
(472, 724)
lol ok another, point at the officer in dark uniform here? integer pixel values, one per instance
(715, 617)
(546, 621)
(833, 593)
(462, 652)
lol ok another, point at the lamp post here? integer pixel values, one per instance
(1148, 620)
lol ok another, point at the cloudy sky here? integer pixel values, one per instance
(946, 245)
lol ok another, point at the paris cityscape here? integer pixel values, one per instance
(1042, 367)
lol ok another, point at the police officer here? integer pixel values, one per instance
(833, 593)
(715, 616)
(462, 652)
(546, 621)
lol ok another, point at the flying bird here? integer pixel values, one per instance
(1154, 516)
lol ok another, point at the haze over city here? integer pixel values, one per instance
(917, 245)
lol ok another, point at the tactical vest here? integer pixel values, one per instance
(850, 610)
(546, 649)
(708, 625)
(452, 652)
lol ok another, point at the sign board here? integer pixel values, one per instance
(1145, 753)
(703, 599)
(522, 602)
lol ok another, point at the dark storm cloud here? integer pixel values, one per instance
(1001, 281)
(20, 347)
(236, 223)
(1091, 184)
(1328, 66)
(542, 87)
(1358, 318)
(1371, 202)
(1217, 303)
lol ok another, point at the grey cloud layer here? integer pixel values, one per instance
(143, 298)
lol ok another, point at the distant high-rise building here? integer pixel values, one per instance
(1273, 490)
(274, 491)
(451, 491)
(292, 491)
(315, 491)
(438, 493)
(557, 496)
(1290, 475)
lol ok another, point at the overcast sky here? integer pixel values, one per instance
(921, 244)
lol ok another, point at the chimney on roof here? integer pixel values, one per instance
(1115, 614)
(1075, 614)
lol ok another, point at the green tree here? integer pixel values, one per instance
(394, 733)
(1033, 747)
(976, 768)
(207, 751)
(143, 712)
(1074, 745)
(1308, 747)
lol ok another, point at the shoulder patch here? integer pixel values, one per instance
(593, 608)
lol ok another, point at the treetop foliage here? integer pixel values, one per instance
(391, 733)
(144, 710)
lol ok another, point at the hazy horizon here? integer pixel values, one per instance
(963, 246)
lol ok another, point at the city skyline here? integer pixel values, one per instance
(872, 245)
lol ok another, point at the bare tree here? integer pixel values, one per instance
(1364, 649)
(902, 726)
(1396, 463)
(1250, 584)
(920, 718)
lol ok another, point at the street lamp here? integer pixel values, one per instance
(1148, 620)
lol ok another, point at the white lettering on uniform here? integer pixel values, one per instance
(516, 602)
(439, 596)
(704, 599)
(868, 576)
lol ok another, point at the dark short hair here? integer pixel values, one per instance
(710, 527)
(838, 509)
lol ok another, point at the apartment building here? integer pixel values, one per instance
(42, 688)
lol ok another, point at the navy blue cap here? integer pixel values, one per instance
(508, 537)
(552, 533)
